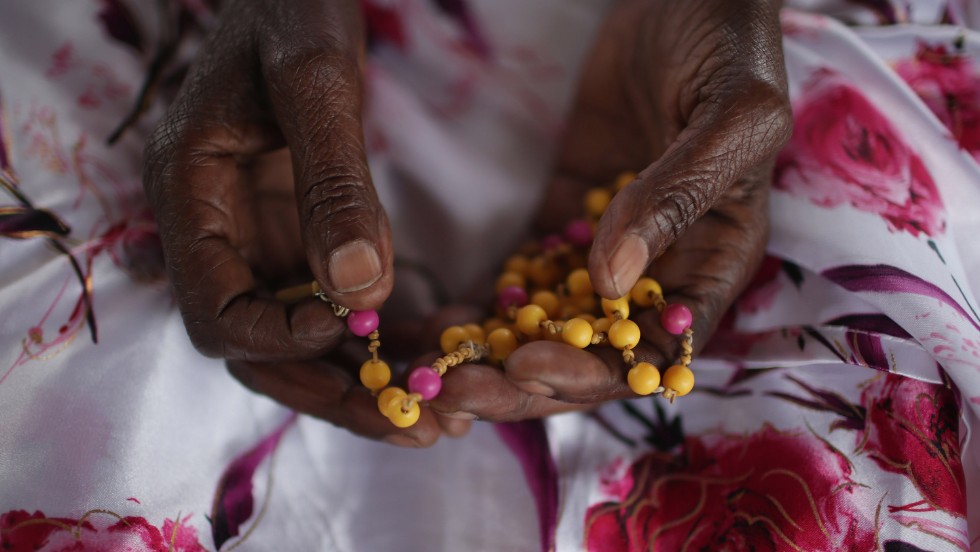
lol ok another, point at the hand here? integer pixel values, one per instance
(274, 75)
(695, 92)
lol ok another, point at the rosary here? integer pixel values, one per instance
(543, 293)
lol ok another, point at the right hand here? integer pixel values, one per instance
(274, 75)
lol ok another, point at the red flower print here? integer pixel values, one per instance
(906, 426)
(771, 490)
(912, 428)
(950, 86)
(844, 151)
(21, 532)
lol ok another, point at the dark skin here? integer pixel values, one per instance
(703, 107)
(693, 91)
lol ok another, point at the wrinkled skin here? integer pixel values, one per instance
(694, 94)
(236, 226)
(693, 87)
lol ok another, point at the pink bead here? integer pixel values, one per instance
(676, 318)
(425, 381)
(361, 323)
(579, 233)
(511, 296)
(551, 241)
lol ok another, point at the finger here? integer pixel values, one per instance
(739, 120)
(325, 391)
(315, 91)
(478, 391)
(454, 427)
(194, 187)
(712, 263)
(573, 375)
(411, 336)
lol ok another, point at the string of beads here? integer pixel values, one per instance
(534, 302)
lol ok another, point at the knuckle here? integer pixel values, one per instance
(169, 147)
(327, 65)
(771, 117)
(158, 154)
(338, 198)
(425, 438)
(680, 208)
(203, 337)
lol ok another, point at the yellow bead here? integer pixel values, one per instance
(586, 303)
(529, 319)
(596, 201)
(518, 264)
(577, 333)
(508, 279)
(601, 325)
(587, 317)
(502, 343)
(375, 374)
(451, 338)
(679, 379)
(578, 283)
(568, 310)
(476, 333)
(620, 306)
(387, 396)
(404, 419)
(624, 334)
(492, 324)
(624, 179)
(644, 378)
(547, 301)
(645, 292)
(543, 272)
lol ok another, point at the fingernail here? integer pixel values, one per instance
(354, 266)
(535, 388)
(628, 262)
(401, 441)
(459, 415)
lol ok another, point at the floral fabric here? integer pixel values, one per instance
(834, 410)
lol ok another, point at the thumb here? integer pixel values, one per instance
(317, 99)
(728, 135)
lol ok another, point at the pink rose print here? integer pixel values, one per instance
(844, 151)
(22, 532)
(770, 490)
(949, 84)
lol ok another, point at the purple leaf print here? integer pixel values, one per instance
(890, 279)
(4, 157)
(867, 350)
(26, 222)
(900, 546)
(120, 24)
(528, 440)
(852, 416)
(883, 8)
(877, 323)
(233, 500)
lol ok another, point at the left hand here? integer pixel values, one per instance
(696, 93)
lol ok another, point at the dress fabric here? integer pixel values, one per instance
(834, 410)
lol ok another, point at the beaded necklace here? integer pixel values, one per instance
(563, 309)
